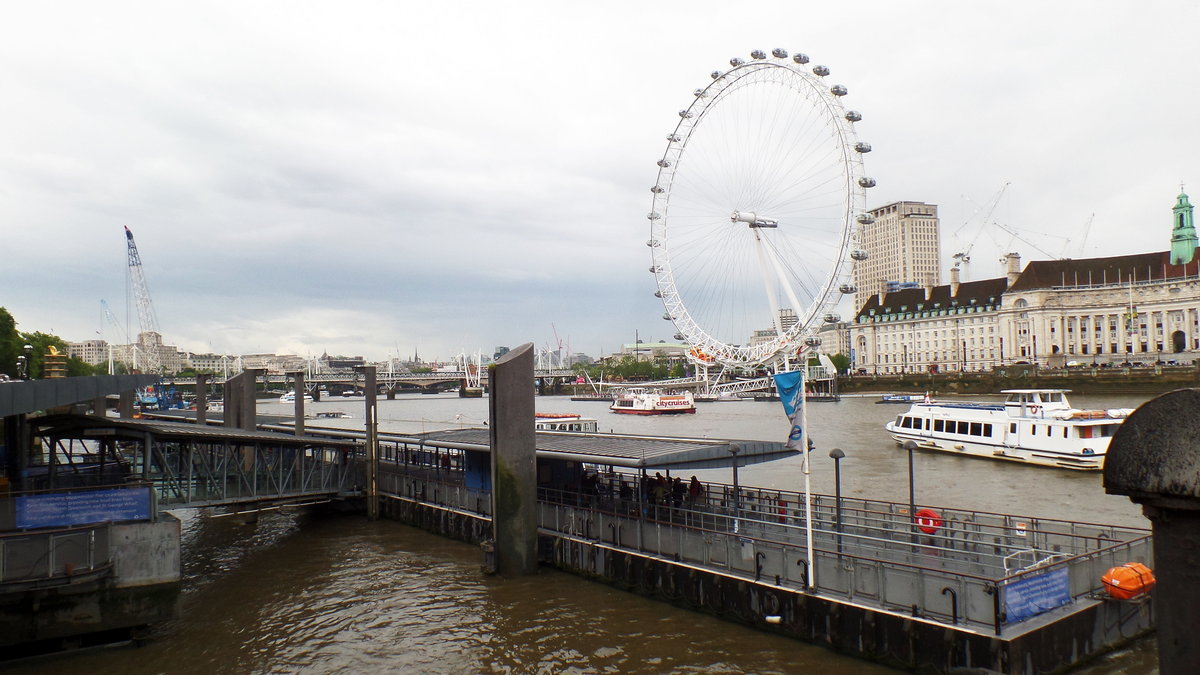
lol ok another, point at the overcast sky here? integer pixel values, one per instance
(374, 178)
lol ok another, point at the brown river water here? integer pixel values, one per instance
(293, 593)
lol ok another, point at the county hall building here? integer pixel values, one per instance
(1139, 308)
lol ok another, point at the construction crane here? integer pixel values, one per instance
(964, 257)
(136, 289)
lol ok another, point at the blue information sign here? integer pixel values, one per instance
(1034, 594)
(63, 509)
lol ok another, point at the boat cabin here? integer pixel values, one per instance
(1034, 402)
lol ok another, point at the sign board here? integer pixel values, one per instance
(1034, 594)
(64, 509)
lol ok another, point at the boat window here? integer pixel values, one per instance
(1033, 430)
(938, 425)
(987, 430)
(1107, 430)
(1085, 432)
(976, 428)
(926, 424)
(1012, 427)
(1065, 432)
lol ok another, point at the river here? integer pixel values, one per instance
(295, 593)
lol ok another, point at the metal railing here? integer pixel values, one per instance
(875, 553)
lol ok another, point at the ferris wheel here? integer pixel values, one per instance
(754, 222)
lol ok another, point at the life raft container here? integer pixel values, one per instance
(1128, 581)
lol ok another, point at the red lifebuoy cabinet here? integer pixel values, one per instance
(928, 521)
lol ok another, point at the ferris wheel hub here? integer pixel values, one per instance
(752, 219)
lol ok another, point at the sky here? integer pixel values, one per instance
(388, 179)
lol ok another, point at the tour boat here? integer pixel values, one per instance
(644, 402)
(564, 422)
(290, 397)
(1034, 426)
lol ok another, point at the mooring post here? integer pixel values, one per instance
(202, 399)
(514, 464)
(1154, 459)
(371, 415)
(298, 408)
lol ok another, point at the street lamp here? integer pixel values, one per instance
(837, 456)
(912, 493)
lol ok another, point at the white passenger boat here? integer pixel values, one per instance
(564, 422)
(645, 402)
(290, 397)
(1034, 426)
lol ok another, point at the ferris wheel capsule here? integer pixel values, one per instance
(838, 90)
(853, 116)
(735, 62)
(779, 53)
(715, 74)
(865, 219)
(859, 254)
(862, 147)
(657, 190)
(800, 58)
(758, 54)
(866, 182)
(820, 71)
(812, 341)
(848, 289)
(832, 317)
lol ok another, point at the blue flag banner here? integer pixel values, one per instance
(791, 392)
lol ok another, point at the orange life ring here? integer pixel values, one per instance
(1033, 409)
(928, 521)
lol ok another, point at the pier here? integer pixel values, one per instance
(906, 584)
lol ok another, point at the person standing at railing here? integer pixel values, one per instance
(695, 492)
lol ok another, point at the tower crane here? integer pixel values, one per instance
(963, 257)
(147, 321)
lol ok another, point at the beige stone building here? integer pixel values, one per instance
(902, 241)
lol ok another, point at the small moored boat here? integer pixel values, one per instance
(903, 398)
(564, 422)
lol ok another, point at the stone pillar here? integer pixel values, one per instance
(202, 399)
(371, 417)
(125, 405)
(1154, 459)
(239, 399)
(514, 464)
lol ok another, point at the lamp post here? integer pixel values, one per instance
(912, 493)
(837, 456)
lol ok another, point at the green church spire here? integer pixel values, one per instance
(1183, 236)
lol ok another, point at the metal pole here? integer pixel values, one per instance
(837, 456)
(912, 493)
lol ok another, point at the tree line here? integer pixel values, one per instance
(12, 346)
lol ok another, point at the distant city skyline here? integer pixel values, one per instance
(373, 180)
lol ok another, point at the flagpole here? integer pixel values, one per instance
(808, 533)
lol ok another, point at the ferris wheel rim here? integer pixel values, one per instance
(704, 346)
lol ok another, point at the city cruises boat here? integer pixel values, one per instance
(644, 402)
(564, 422)
(1033, 426)
(903, 398)
(290, 397)
(332, 415)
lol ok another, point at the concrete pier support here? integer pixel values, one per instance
(240, 401)
(514, 468)
(1154, 459)
(202, 398)
(299, 404)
